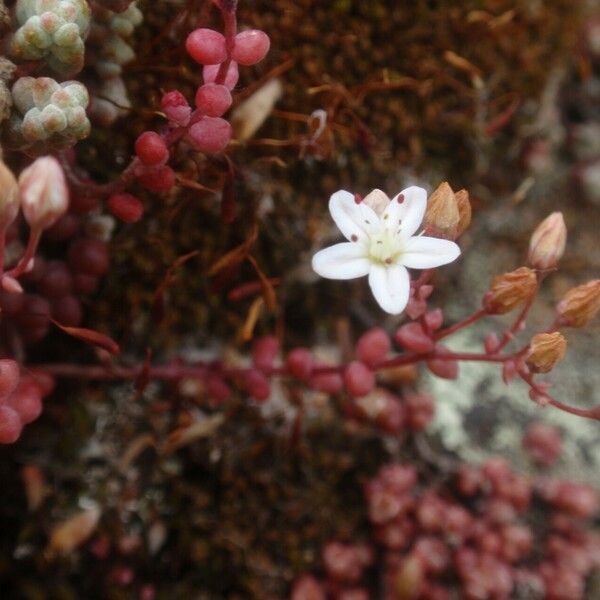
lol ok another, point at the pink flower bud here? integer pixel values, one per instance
(210, 135)
(359, 379)
(43, 193)
(300, 363)
(213, 99)
(373, 346)
(264, 352)
(548, 241)
(126, 207)
(250, 47)
(151, 149)
(210, 72)
(412, 337)
(176, 108)
(206, 46)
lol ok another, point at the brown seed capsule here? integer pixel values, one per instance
(548, 241)
(509, 290)
(579, 305)
(545, 350)
(442, 215)
(464, 211)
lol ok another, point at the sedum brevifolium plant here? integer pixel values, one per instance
(57, 221)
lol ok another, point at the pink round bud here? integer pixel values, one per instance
(264, 352)
(250, 47)
(176, 108)
(373, 346)
(300, 363)
(9, 377)
(10, 425)
(206, 46)
(151, 149)
(210, 73)
(359, 379)
(126, 207)
(210, 135)
(43, 193)
(412, 337)
(257, 385)
(213, 99)
(158, 180)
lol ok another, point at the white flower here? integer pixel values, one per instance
(382, 243)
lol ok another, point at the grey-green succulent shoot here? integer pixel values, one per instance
(110, 36)
(51, 115)
(53, 31)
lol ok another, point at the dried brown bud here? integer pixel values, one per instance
(9, 201)
(509, 290)
(442, 215)
(464, 211)
(545, 350)
(579, 305)
(548, 241)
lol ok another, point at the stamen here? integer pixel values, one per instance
(388, 261)
(354, 237)
(400, 198)
(358, 198)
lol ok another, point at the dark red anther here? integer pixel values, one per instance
(358, 198)
(400, 198)
(354, 237)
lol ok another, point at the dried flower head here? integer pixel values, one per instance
(545, 350)
(509, 290)
(442, 216)
(464, 211)
(579, 305)
(548, 241)
(382, 243)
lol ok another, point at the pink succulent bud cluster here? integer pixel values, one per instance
(20, 399)
(471, 539)
(205, 128)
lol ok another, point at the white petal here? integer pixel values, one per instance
(353, 220)
(342, 261)
(409, 209)
(377, 200)
(427, 252)
(390, 286)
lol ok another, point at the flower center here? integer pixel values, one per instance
(385, 246)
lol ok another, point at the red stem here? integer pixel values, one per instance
(476, 316)
(32, 244)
